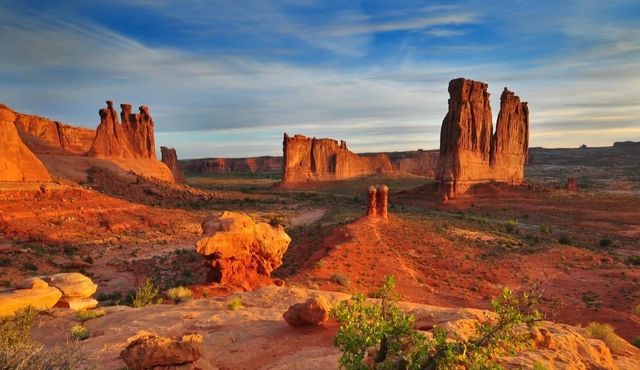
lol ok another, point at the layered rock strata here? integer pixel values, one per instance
(470, 152)
(311, 159)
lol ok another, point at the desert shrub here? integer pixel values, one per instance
(605, 242)
(397, 346)
(5, 262)
(234, 303)
(146, 295)
(605, 333)
(636, 309)
(30, 266)
(85, 315)
(511, 225)
(565, 240)
(79, 332)
(340, 280)
(539, 366)
(88, 259)
(179, 294)
(69, 251)
(634, 260)
(545, 229)
(19, 352)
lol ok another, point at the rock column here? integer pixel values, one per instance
(371, 202)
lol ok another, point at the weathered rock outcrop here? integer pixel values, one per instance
(36, 294)
(469, 150)
(311, 159)
(418, 162)
(133, 138)
(170, 158)
(17, 161)
(314, 311)
(243, 253)
(147, 350)
(76, 289)
(44, 136)
(377, 201)
(210, 166)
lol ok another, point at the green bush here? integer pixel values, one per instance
(605, 243)
(383, 327)
(565, 240)
(234, 303)
(340, 280)
(545, 229)
(19, 352)
(146, 295)
(79, 332)
(634, 260)
(605, 333)
(511, 225)
(179, 294)
(30, 266)
(636, 341)
(85, 315)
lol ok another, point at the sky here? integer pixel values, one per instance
(228, 78)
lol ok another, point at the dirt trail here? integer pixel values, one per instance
(307, 217)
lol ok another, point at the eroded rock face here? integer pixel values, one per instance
(314, 311)
(45, 136)
(133, 138)
(208, 166)
(243, 253)
(170, 158)
(307, 159)
(147, 350)
(469, 150)
(17, 161)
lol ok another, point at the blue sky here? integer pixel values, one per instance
(228, 78)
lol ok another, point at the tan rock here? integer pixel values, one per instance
(39, 299)
(314, 311)
(72, 284)
(147, 350)
(242, 253)
(77, 304)
(307, 159)
(32, 283)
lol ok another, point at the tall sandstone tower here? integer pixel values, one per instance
(470, 152)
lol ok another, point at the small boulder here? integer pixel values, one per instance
(77, 304)
(315, 311)
(147, 350)
(32, 283)
(39, 299)
(72, 284)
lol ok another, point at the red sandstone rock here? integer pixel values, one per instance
(306, 159)
(17, 162)
(383, 199)
(572, 185)
(208, 166)
(243, 253)
(44, 136)
(371, 201)
(148, 350)
(170, 158)
(134, 138)
(314, 311)
(469, 151)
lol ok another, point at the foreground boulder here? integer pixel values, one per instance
(17, 161)
(76, 289)
(147, 350)
(314, 311)
(39, 298)
(243, 253)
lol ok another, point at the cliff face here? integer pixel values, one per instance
(306, 159)
(469, 151)
(170, 158)
(17, 161)
(134, 138)
(46, 136)
(210, 166)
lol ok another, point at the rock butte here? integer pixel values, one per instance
(470, 152)
(17, 161)
(311, 159)
(170, 158)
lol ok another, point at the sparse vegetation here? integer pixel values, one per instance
(179, 294)
(545, 229)
(234, 303)
(565, 240)
(79, 332)
(605, 243)
(511, 225)
(397, 346)
(340, 280)
(85, 315)
(30, 266)
(19, 352)
(633, 260)
(146, 295)
(605, 333)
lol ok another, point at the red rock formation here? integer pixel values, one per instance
(383, 199)
(209, 166)
(469, 151)
(371, 201)
(17, 162)
(134, 138)
(307, 159)
(44, 136)
(572, 185)
(243, 253)
(419, 162)
(170, 158)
